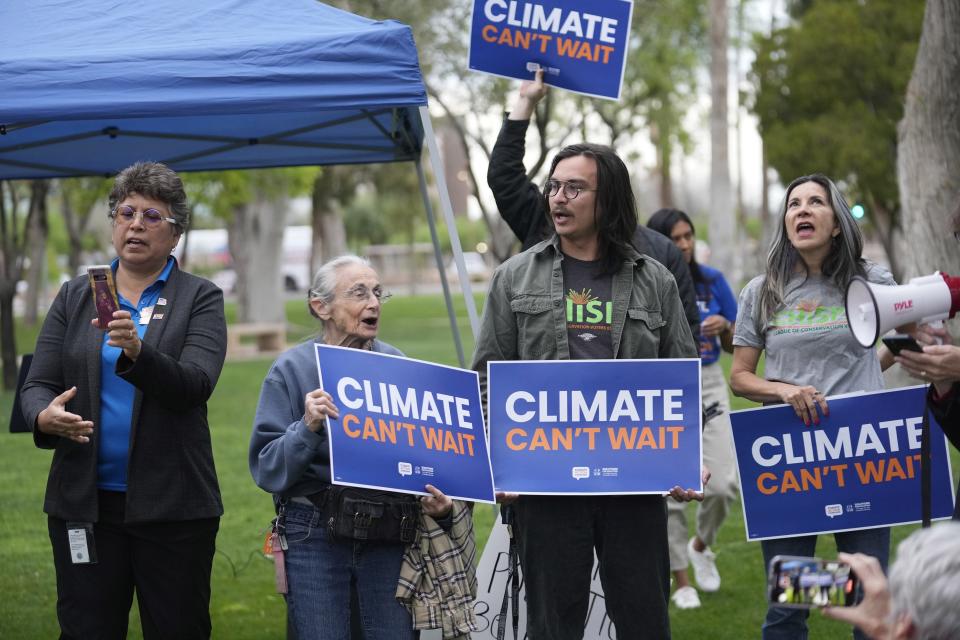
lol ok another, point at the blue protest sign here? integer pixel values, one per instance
(581, 46)
(594, 426)
(859, 468)
(404, 424)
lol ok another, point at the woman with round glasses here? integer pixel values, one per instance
(132, 497)
(289, 458)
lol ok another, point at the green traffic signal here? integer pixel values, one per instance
(858, 211)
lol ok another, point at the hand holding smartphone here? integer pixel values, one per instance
(802, 582)
(900, 341)
(104, 293)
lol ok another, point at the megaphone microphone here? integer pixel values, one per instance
(874, 309)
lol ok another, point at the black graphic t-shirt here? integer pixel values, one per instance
(589, 310)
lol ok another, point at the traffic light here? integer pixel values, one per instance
(857, 211)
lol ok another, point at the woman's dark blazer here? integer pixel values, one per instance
(170, 471)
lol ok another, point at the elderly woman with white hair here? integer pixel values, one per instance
(289, 458)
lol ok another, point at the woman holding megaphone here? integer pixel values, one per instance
(794, 313)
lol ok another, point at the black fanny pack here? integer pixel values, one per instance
(368, 515)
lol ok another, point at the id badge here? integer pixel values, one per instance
(83, 548)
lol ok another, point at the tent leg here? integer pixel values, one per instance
(431, 139)
(438, 254)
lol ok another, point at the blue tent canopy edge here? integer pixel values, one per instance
(227, 85)
(90, 87)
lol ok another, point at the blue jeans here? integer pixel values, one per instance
(783, 623)
(319, 574)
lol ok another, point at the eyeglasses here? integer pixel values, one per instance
(361, 293)
(570, 191)
(151, 217)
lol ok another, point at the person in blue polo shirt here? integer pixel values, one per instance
(718, 312)
(132, 499)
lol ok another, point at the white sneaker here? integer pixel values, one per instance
(704, 567)
(686, 598)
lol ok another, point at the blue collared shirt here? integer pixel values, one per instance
(714, 299)
(116, 394)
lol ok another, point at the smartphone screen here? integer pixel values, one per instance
(805, 582)
(897, 343)
(104, 293)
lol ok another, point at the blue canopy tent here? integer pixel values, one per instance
(88, 87)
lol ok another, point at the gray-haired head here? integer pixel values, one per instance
(842, 262)
(925, 582)
(324, 284)
(155, 181)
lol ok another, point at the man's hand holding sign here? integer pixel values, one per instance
(583, 47)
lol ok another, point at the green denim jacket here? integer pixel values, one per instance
(524, 317)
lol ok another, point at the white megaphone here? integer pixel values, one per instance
(874, 309)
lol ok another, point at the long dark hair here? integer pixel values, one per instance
(663, 221)
(844, 261)
(616, 210)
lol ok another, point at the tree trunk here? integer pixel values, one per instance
(722, 219)
(414, 272)
(11, 261)
(661, 143)
(255, 237)
(767, 223)
(79, 200)
(8, 342)
(883, 223)
(928, 152)
(741, 209)
(501, 237)
(73, 232)
(185, 251)
(333, 233)
(36, 238)
(317, 199)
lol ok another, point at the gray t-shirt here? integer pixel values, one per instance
(808, 341)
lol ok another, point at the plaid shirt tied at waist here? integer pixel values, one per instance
(438, 580)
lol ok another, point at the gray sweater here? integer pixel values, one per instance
(286, 458)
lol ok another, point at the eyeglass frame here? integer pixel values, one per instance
(142, 214)
(564, 185)
(354, 293)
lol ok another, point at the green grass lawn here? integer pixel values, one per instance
(244, 604)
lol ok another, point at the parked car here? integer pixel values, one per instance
(477, 268)
(293, 279)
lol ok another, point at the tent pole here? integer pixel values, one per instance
(438, 254)
(431, 139)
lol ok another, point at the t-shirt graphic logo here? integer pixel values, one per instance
(582, 306)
